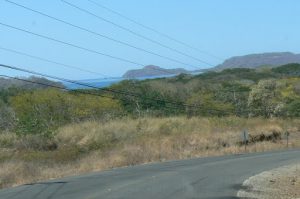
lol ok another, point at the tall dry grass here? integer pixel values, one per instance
(94, 146)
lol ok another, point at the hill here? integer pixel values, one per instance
(258, 60)
(152, 71)
(41, 83)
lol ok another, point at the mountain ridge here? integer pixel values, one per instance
(152, 71)
(272, 59)
(256, 60)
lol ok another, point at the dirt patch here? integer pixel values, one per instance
(280, 183)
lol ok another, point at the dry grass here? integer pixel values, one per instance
(93, 146)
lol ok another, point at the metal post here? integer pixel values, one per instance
(245, 140)
(287, 134)
(287, 140)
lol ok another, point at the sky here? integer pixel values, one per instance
(219, 29)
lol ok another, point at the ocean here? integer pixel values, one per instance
(106, 82)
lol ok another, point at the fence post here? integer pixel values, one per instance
(245, 138)
(287, 134)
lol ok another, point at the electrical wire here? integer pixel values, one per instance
(100, 35)
(107, 90)
(154, 30)
(136, 34)
(166, 103)
(52, 62)
(70, 44)
(80, 47)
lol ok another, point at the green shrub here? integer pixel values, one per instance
(7, 117)
(41, 112)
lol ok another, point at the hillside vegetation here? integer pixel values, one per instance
(46, 132)
(239, 92)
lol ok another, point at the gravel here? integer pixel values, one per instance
(280, 183)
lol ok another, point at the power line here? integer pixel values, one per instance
(65, 89)
(57, 63)
(81, 69)
(52, 62)
(72, 45)
(153, 30)
(70, 90)
(167, 103)
(65, 65)
(58, 78)
(40, 83)
(99, 35)
(134, 33)
(60, 88)
(108, 90)
(80, 47)
(87, 92)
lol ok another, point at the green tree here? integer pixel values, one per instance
(265, 99)
(205, 104)
(43, 111)
(7, 117)
(293, 108)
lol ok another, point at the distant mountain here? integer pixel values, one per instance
(258, 60)
(153, 71)
(40, 83)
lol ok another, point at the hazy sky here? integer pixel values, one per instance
(223, 28)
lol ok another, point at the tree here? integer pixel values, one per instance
(293, 108)
(43, 111)
(7, 117)
(265, 100)
(205, 104)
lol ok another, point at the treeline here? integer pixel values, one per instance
(240, 92)
(28, 108)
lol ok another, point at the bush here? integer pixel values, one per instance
(41, 112)
(35, 142)
(7, 117)
(293, 109)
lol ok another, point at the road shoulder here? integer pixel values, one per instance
(279, 183)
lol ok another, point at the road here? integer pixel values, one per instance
(210, 178)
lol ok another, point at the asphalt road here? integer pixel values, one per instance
(211, 178)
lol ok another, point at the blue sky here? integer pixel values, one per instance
(222, 28)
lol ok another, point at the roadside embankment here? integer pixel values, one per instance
(95, 146)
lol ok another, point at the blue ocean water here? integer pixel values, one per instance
(102, 83)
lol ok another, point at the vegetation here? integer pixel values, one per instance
(28, 108)
(239, 92)
(143, 121)
(93, 146)
(43, 111)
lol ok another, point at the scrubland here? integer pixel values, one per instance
(95, 146)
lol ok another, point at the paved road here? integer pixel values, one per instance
(210, 178)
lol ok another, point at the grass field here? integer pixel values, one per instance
(95, 146)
